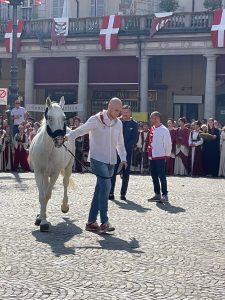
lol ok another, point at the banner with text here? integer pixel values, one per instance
(66, 109)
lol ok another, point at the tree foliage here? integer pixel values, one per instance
(168, 5)
(212, 4)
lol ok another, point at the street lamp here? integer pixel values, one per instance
(13, 88)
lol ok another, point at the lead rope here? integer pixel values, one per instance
(89, 171)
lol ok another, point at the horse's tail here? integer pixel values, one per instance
(71, 181)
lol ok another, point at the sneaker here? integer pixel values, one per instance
(122, 197)
(155, 198)
(111, 197)
(106, 227)
(164, 199)
(92, 227)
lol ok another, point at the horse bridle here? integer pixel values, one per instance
(56, 133)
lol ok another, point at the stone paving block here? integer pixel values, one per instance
(158, 251)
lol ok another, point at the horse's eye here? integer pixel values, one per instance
(49, 118)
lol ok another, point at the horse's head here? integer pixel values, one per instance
(56, 121)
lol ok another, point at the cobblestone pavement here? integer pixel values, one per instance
(171, 251)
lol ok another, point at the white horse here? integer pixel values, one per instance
(48, 158)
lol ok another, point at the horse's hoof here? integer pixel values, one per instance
(65, 210)
(37, 222)
(44, 227)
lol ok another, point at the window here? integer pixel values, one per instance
(156, 5)
(125, 6)
(57, 8)
(4, 11)
(97, 8)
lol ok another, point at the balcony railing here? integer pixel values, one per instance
(131, 25)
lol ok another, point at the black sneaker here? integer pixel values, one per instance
(164, 199)
(111, 197)
(122, 197)
(155, 198)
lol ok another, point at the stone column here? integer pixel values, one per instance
(29, 81)
(144, 84)
(83, 86)
(210, 87)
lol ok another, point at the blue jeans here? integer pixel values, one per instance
(158, 171)
(102, 189)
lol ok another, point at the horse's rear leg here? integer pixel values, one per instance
(66, 180)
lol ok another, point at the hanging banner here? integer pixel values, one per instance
(67, 108)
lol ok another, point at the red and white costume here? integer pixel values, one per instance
(159, 145)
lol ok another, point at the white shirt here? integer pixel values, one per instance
(193, 139)
(161, 143)
(105, 139)
(18, 112)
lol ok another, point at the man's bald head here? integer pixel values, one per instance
(115, 101)
(114, 108)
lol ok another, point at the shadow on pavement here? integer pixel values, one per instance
(58, 236)
(170, 208)
(130, 205)
(111, 242)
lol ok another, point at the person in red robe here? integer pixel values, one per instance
(21, 154)
(195, 144)
(182, 162)
(170, 160)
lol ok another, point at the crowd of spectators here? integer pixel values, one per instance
(198, 148)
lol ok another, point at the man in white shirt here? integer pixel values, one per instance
(159, 148)
(18, 114)
(106, 139)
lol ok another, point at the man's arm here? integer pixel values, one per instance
(167, 143)
(120, 147)
(83, 129)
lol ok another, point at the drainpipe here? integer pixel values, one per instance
(139, 73)
(193, 5)
(77, 1)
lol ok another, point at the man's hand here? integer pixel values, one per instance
(123, 164)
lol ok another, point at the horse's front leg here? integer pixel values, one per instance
(42, 183)
(53, 179)
(66, 180)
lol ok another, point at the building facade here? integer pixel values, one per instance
(178, 72)
(93, 8)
